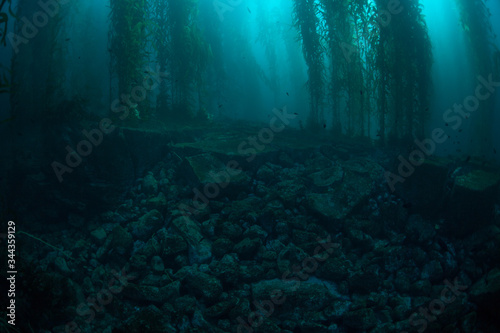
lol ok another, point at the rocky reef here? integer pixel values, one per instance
(192, 236)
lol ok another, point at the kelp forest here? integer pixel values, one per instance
(241, 166)
(361, 69)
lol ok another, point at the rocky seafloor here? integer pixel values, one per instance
(294, 240)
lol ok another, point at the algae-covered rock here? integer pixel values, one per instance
(208, 169)
(99, 235)
(159, 202)
(478, 180)
(255, 231)
(487, 290)
(361, 319)
(147, 225)
(312, 296)
(188, 229)
(424, 188)
(221, 246)
(364, 167)
(119, 238)
(157, 264)
(203, 284)
(472, 202)
(227, 269)
(327, 176)
(200, 249)
(221, 308)
(247, 248)
(334, 269)
(327, 206)
(147, 319)
(364, 282)
(289, 191)
(149, 184)
(359, 180)
(172, 244)
(143, 293)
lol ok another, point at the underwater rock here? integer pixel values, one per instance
(227, 269)
(313, 296)
(337, 309)
(200, 323)
(359, 181)
(364, 166)
(419, 230)
(327, 176)
(326, 205)
(118, 243)
(139, 262)
(244, 210)
(289, 191)
(143, 293)
(149, 184)
(76, 221)
(472, 202)
(317, 163)
(147, 319)
(486, 291)
(255, 231)
(247, 248)
(157, 264)
(62, 266)
(200, 249)
(203, 284)
(185, 305)
(230, 230)
(221, 308)
(291, 254)
(147, 225)
(221, 246)
(265, 174)
(339, 151)
(251, 271)
(208, 169)
(301, 237)
(285, 160)
(404, 278)
(188, 229)
(421, 288)
(172, 244)
(334, 269)
(425, 187)
(201, 253)
(99, 235)
(469, 322)
(362, 319)
(159, 202)
(364, 282)
(156, 280)
(432, 271)
(360, 240)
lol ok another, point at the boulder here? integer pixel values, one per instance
(311, 296)
(472, 202)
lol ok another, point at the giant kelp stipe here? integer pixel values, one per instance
(250, 165)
